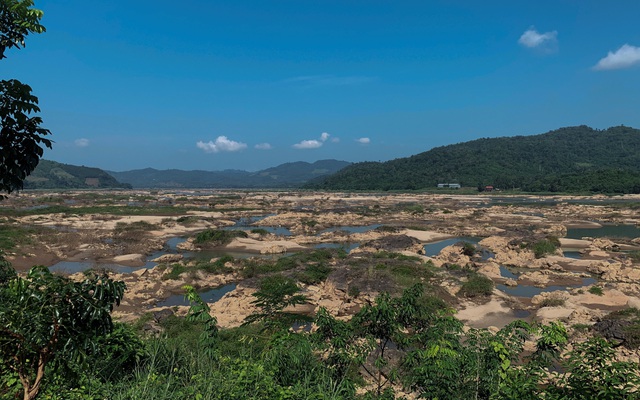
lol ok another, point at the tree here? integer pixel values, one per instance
(21, 136)
(46, 317)
(277, 293)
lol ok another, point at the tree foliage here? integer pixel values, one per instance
(21, 136)
(573, 159)
(46, 317)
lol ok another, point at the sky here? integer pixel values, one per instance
(215, 85)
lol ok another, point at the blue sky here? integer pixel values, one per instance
(248, 85)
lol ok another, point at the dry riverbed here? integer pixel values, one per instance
(388, 241)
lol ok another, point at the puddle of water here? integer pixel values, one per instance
(572, 254)
(611, 231)
(530, 291)
(172, 244)
(208, 296)
(351, 229)
(433, 249)
(506, 273)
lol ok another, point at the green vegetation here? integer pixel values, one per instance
(47, 319)
(260, 231)
(13, 235)
(21, 138)
(410, 341)
(276, 293)
(54, 175)
(544, 247)
(217, 237)
(574, 159)
(476, 285)
(597, 290)
(552, 302)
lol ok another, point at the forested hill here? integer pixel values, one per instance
(54, 175)
(573, 159)
(283, 176)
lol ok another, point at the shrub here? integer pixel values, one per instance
(477, 285)
(468, 249)
(545, 246)
(552, 302)
(218, 237)
(315, 273)
(176, 270)
(597, 290)
(260, 231)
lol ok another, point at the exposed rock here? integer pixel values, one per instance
(511, 282)
(392, 243)
(276, 249)
(612, 329)
(162, 315)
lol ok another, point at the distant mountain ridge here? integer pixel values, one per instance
(54, 175)
(572, 159)
(288, 175)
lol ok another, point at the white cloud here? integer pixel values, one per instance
(222, 143)
(335, 140)
(82, 142)
(532, 38)
(363, 140)
(308, 144)
(625, 57)
(324, 136)
(263, 146)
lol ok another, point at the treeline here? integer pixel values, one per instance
(573, 159)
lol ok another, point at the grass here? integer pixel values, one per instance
(14, 235)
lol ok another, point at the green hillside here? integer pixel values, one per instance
(573, 159)
(54, 175)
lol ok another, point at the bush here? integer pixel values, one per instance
(315, 273)
(176, 270)
(468, 249)
(260, 231)
(217, 237)
(477, 285)
(597, 290)
(552, 302)
(545, 246)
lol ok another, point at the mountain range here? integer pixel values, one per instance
(571, 159)
(288, 175)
